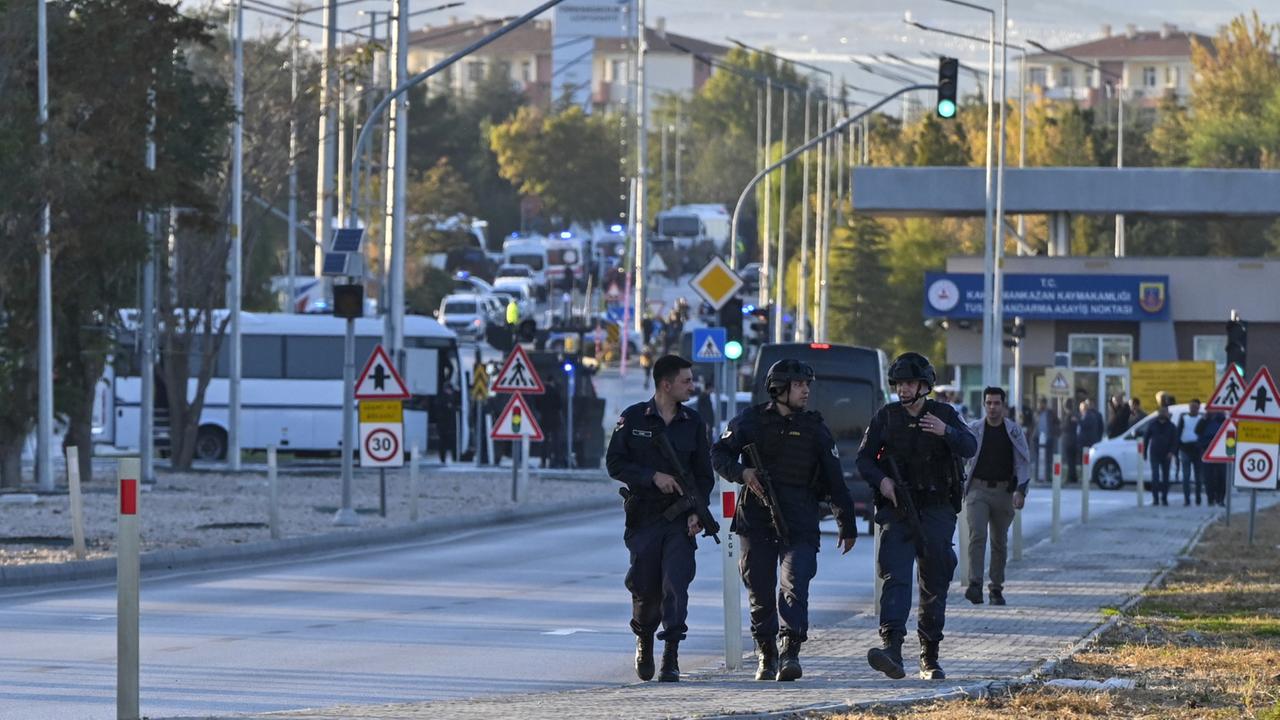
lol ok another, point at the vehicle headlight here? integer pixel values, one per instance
(477, 322)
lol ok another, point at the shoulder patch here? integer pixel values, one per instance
(725, 435)
(642, 433)
(835, 452)
(622, 420)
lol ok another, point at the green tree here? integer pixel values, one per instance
(860, 306)
(569, 160)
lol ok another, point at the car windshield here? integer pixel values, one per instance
(533, 261)
(679, 226)
(514, 271)
(460, 307)
(846, 406)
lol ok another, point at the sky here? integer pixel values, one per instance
(826, 32)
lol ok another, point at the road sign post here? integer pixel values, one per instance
(128, 569)
(1056, 526)
(1142, 466)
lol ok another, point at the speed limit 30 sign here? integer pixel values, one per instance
(1257, 445)
(381, 433)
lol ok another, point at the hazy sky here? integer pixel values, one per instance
(830, 30)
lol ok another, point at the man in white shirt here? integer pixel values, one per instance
(1189, 451)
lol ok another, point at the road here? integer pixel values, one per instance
(534, 607)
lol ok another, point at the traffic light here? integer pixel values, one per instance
(1237, 343)
(948, 81)
(1016, 330)
(758, 318)
(731, 320)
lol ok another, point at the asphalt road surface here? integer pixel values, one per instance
(533, 607)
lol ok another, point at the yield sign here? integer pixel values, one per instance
(1228, 393)
(1222, 449)
(379, 379)
(518, 376)
(516, 421)
(1260, 401)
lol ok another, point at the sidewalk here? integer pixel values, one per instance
(1056, 594)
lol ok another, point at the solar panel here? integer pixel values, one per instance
(347, 240)
(335, 263)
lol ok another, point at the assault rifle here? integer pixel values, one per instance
(692, 498)
(906, 507)
(770, 498)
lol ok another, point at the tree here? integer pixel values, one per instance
(861, 306)
(569, 160)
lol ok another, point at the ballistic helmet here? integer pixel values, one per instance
(784, 372)
(912, 366)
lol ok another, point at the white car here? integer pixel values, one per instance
(1114, 461)
(513, 273)
(467, 314)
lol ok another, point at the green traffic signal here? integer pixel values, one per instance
(733, 349)
(948, 80)
(946, 109)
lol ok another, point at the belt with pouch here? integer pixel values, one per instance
(992, 483)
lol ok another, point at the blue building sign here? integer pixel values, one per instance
(1119, 298)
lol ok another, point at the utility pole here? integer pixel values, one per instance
(763, 295)
(393, 332)
(998, 227)
(642, 165)
(780, 293)
(147, 441)
(236, 255)
(679, 199)
(802, 279)
(44, 393)
(326, 157)
(294, 41)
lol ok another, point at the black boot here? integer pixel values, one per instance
(789, 660)
(929, 667)
(997, 597)
(973, 593)
(644, 657)
(670, 670)
(767, 653)
(888, 657)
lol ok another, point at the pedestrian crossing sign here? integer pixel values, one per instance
(518, 375)
(1228, 393)
(708, 345)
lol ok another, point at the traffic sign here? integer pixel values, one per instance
(379, 379)
(1222, 449)
(1060, 382)
(516, 421)
(1226, 396)
(716, 282)
(1259, 443)
(1184, 379)
(518, 375)
(708, 344)
(381, 433)
(1261, 400)
(480, 383)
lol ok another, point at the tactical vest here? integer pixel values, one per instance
(923, 458)
(787, 448)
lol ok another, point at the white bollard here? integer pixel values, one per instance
(1085, 481)
(732, 591)
(77, 504)
(524, 468)
(127, 570)
(878, 582)
(1057, 497)
(273, 491)
(962, 531)
(413, 481)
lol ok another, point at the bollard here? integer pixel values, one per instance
(524, 467)
(1253, 513)
(77, 503)
(877, 581)
(1017, 534)
(382, 492)
(273, 491)
(413, 482)
(1142, 462)
(128, 471)
(1085, 481)
(729, 569)
(1057, 496)
(962, 531)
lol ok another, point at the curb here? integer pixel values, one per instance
(164, 560)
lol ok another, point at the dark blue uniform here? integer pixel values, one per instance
(801, 459)
(662, 564)
(927, 461)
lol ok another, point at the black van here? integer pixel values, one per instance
(849, 389)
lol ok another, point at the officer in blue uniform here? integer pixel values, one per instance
(662, 563)
(922, 439)
(803, 464)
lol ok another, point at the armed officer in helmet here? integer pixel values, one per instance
(803, 467)
(660, 524)
(918, 442)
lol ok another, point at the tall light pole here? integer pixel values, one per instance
(1120, 88)
(294, 57)
(44, 373)
(327, 140)
(234, 258)
(992, 335)
(397, 178)
(802, 280)
(642, 166)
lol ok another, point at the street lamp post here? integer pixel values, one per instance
(44, 417)
(1120, 88)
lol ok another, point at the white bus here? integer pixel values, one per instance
(291, 385)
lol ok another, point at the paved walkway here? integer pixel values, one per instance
(1056, 595)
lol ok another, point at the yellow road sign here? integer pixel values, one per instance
(1183, 380)
(716, 282)
(381, 411)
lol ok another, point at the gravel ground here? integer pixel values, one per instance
(202, 509)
